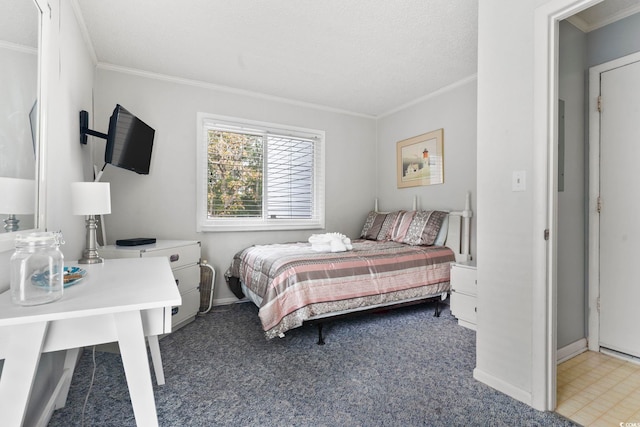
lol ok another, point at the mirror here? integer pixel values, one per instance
(19, 115)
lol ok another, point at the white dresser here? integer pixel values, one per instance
(184, 258)
(464, 285)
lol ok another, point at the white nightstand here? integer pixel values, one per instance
(464, 285)
(184, 258)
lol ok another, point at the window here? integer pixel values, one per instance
(258, 176)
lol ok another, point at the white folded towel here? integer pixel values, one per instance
(330, 242)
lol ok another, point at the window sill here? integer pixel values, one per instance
(273, 226)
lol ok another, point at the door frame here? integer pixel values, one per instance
(593, 336)
(547, 19)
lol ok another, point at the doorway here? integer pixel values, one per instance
(546, 40)
(614, 89)
(589, 385)
(547, 18)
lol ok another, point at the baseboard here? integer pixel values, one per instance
(227, 301)
(572, 350)
(183, 323)
(467, 325)
(619, 355)
(502, 386)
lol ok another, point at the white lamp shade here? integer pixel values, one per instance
(90, 198)
(17, 196)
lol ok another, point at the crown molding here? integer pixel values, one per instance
(586, 26)
(624, 13)
(18, 47)
(227, 89)
(430, 95)
(579, 23)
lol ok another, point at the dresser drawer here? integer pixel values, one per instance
(178, 256)
(184, 258)
(187, 278)
(463, 279)
(463, 307)
(188, 309)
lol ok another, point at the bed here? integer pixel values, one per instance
(401, 257)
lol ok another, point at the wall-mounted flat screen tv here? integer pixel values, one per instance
(129, 142)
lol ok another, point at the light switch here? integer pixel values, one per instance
(519, 181)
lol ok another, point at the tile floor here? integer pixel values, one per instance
(595, 390)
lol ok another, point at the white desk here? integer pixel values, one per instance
(123, 300)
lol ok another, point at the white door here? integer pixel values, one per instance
(620, 214)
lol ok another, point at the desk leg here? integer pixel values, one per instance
(67, 374)
(136, 367)
(19, 371)
(156, 358)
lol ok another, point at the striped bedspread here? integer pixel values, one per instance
(297, 283)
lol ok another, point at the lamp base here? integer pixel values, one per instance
(90, 256)
(11, 223)
(97, 260)
(90, 253)
(90, 261)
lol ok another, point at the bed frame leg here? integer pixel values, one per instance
(320, 337)
(437, 312)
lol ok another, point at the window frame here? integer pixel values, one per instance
(205, 121)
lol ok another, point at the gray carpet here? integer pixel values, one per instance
(399, 368)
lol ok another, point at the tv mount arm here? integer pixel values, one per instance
(84, 129)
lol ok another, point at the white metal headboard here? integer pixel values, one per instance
(459, 231)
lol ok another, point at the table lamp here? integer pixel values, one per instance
(90, 199)
(17, 197)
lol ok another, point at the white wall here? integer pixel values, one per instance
(454, 110)
(69, 83)
(162, 204)
(505, 218)
(70, 90)
(510, 225)
(614, 40)
(571, 201)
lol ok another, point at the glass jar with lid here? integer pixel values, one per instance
(37, 268)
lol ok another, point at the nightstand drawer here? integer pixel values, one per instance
(464, 279)
(463, 307)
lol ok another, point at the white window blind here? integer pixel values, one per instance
(289, 183)
(259, 176)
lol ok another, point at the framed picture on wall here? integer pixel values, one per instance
(421, 160)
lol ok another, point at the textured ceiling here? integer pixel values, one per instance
(19, 22)
(363, 56)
